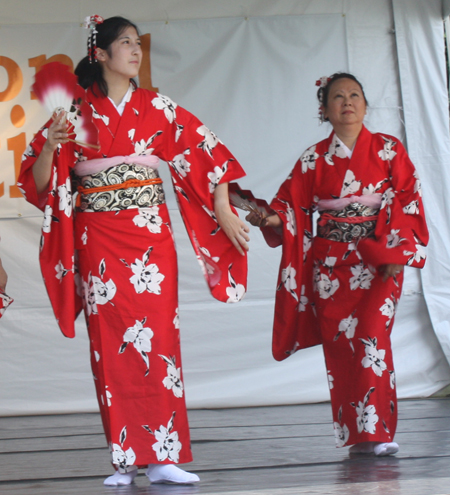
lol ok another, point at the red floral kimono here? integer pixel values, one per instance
(115, 257)
(330, 290)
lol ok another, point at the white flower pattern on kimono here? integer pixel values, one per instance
(417, 184)
(374, 357)
(393, 239)
(361, 277)
(216, 176)
(326, 286)
(65, 198)
(350, 185)
(210, 141)
(179, 163)
(176, 320)
(371, 189)
(167, 446)
(348, 326)
(341, 434)
(149, 217)
(307, 243)
(387, 153)
(48, 217)
(108, 396)
(120, 457)
(84, 236)
(290, 221)
(366, 415)
(142, 147)
(173, 379)
(235, 292)
(103, 292)
(330, 380)
(308, 159)
(162, 102)
(288, 280)
(335, 149)
(147, 276)
(412, 208)
(388, 309)
(61, 272)
(140, 337)
(392, 379)
(417, 256)
(303, 300)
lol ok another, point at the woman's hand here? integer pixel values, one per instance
(57, 132)
(262, 219)
(235, 229)
(390, 270)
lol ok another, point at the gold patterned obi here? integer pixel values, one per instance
(119, 188)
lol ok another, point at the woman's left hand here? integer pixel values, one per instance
(390, 270)
(235, 229)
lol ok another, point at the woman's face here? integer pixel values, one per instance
(124, 56)
(346, 103)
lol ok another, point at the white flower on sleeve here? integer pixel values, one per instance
(65, 197)
(290, 221)
(167, 445)
(418, 184)
(307, 243)
(361, 277)
(288, 280)
(140, 337)
(173, 379)
(330, 380)
(326, 286)
(374, 357)
(108, 396)
(149, 217)
(48, 217)
(308, 159)
(392, 379)
(121, 458)
(387, 153)
(366, 415)
(393, 239)
(216, 176)
(176, 320)
(341, 434)
(417, 256)
(210, 141)
(164, 103)
(235, 292)
(412, 208)
(179, 163)
(350, 185)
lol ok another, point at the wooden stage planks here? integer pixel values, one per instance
(279, 450)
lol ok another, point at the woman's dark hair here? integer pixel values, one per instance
(322, 92)
(89, 73)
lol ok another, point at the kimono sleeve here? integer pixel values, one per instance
(294, 321)
(198, 162)
(25, 180)
(5, 301)
(401, 231)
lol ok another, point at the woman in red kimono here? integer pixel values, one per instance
(341, 288)
(116, 256)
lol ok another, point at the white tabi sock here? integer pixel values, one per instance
(168, 473)
(121, 479)
(377, 448)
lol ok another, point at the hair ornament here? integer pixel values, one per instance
(322, 83)
(91, 23)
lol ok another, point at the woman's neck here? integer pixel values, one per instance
(348, 135)
(117, 88)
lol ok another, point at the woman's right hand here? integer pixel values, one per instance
(262, 219)
(57, 132)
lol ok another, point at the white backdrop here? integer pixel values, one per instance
(251, 80)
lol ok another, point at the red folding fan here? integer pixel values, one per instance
(57, 89)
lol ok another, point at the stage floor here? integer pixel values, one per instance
(283, 450)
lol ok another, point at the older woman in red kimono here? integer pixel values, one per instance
(341, 288)
(116, 256)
